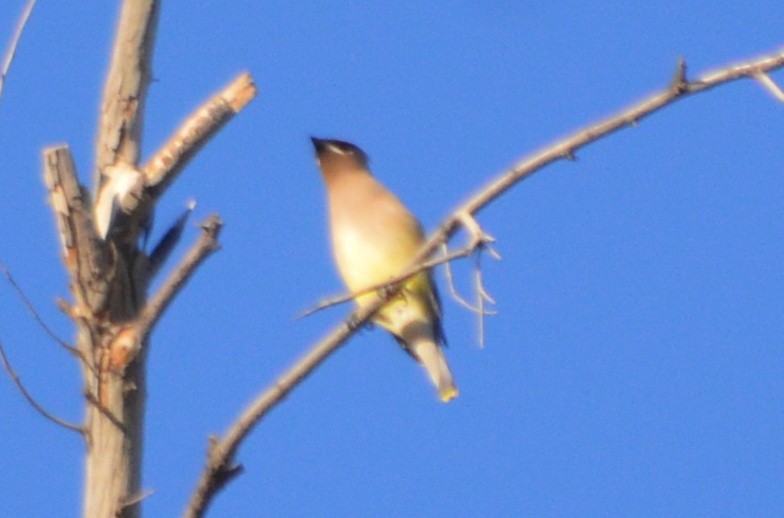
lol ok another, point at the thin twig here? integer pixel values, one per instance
(220, 468)
(453, 289)
(408, 272)
(451, 284)
(480, 302)
(481, 294)
(484, 293)
(481, 297)
(134, 500)
(33, 403)
(29, 305)
(11, 52)
(771, 86)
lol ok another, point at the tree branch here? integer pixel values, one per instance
(220, 468)
(129, 339)
(203, 248)
(31, 400)
(115, 425)
(109, 278)
(771, 86)
(164, 166)
(15, 39)
(83, 253)
(39, 320)
(125, 90)
(409, 272)
(135, 500)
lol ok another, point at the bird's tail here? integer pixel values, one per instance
(432, 358)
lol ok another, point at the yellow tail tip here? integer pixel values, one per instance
(448, 394)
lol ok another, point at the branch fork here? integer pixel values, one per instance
(109, 272)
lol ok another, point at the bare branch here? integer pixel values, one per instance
(33, 403)
(203, 248)
(115, 424)
(771, 86)
(29, 305)
(581, 138)
(481, 297)
(198, 128)
(166, 164)
(220, 467)
(679, 81)
(220, 463)
(134, 500)
(483, 291)
(451, 285)
(125, 90)
(462, 301)
(130, 338)
(15, 39)
(478, 238)
(481, 294)
(83, 253)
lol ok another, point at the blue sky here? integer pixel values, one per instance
(636, 366)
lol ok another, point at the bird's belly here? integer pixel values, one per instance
(364, 260)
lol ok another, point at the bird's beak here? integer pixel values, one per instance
(318, 144)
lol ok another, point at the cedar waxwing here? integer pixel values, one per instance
(374, 237)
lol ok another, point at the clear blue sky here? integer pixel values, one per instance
(636, 367)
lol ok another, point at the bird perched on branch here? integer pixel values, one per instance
(374, 237)
(122, 184)
(117, 182)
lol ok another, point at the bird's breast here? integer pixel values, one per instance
(366, 258)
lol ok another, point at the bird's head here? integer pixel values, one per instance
(338, 155)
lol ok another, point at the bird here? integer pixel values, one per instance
(374, 237)
(118, 182)
(120, 179)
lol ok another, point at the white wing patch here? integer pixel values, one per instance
(121, 179)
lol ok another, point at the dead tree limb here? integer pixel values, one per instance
(108, 269)
(114, 454)
(15, 39)
(125, 89)
(220, 466)
(164, 166)
(203, 248)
